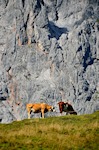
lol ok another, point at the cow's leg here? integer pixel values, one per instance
(61, 113)
(42, 113)
(66, 113)
(29, 112)
(29, 115)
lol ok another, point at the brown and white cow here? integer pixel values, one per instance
(38, 107)
(66, 107)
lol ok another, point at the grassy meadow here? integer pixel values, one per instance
(53, 133)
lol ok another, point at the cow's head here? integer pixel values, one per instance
(60, 103)
(51, 108)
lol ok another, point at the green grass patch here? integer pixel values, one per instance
(53, 133)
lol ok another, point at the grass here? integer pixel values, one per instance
(53, 133)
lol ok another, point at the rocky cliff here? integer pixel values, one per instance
(49, 51)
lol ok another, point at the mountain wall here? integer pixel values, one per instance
(49, 51)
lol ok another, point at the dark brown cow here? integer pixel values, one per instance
(66, 107)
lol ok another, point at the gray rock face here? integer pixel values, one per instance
(49, 51)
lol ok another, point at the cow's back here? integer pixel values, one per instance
(36, 106)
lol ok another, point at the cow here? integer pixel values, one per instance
(66, 107)
(38, 107)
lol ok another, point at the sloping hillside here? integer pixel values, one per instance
(53, 133)
(49, 51)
